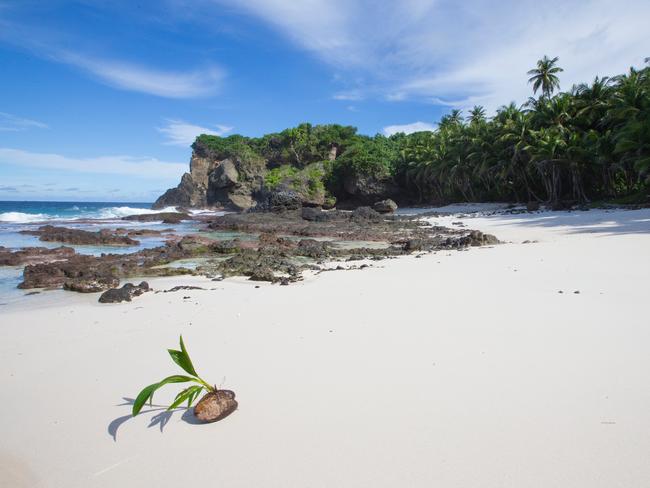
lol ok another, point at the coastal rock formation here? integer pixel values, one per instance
(165, 217)
(103, 237)
(33, 255)
(240, 173)
(186, 194)
(385, 206)
(124, 294)
(83, 273)
(216, 180)
(367, 189)
(93, 284)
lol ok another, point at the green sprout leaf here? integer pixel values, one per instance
(147, 392)
(142, 398)
(187, 394)
(182, 358)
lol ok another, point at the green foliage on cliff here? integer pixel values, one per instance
(308, 181)
(590, 143)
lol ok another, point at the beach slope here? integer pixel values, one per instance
(524, 364)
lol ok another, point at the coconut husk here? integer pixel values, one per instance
(215, 405)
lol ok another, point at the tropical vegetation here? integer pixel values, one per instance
(591, 142)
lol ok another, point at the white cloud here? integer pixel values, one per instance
(128, 76)
(408, 128)
(9, 122)
(350, 96)
(181, 133)
(142, 167)
(461, 53)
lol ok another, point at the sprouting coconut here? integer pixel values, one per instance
(215, 404)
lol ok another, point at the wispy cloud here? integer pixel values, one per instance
(461, 53)
(408, 128)
(134, 77)
(9, 122)
(141, 167)
(180, 133)
(110, 70)
(352, 96)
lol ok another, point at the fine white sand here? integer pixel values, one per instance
(459, 369)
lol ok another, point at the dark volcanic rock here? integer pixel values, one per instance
(97, 273)
(532, 206)
(385, 206)
(225, 175)
(188, 193)
(104, 237)
(124, 294)
(368, 189)
(366, 214)
(474, 238)
(313, 249)
(33, 255)
(313, 214)
(280, 200)
(166, 217)
(262, 273)
(182, 287)
(81, 285)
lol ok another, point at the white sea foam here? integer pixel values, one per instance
(23, 218)
(119, 212)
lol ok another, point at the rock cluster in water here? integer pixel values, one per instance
(279, 247)
(103, 237)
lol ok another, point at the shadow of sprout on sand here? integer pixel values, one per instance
(160, 419)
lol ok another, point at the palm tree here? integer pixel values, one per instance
(545, 76)
(476, 115)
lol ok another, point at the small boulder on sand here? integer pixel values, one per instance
(385, 206)
(124, 294)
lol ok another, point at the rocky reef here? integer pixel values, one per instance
(103, 237)
(33, 255)
(277, 247)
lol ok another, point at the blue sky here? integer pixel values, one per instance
(100, 99)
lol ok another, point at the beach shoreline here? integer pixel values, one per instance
(456, 368)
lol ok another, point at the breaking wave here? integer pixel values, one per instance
(23, 218)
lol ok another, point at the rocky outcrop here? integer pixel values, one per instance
(124, 294)
(33, 255)
(90, 285)
(368, 189)
(385, 206)
(191, 192)
(224, 175)
(103, 237)
(279, 200)
(90, 274)
(215, 181)
(165, 217)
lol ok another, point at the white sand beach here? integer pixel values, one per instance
(455, 369)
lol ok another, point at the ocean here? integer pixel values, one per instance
(18, 216)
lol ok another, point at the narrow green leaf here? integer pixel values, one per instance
(142, 398)
(184, 395)
(177, 378)
(182, 358)
(147, 393)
